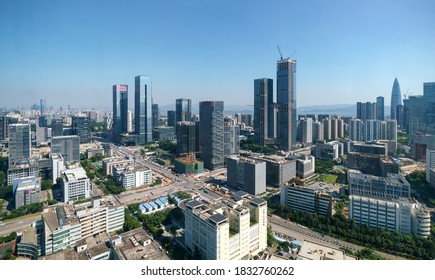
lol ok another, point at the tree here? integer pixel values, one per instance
(2, 178)
(270, 237)
(46, 184)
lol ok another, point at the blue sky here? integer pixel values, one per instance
(72, 52)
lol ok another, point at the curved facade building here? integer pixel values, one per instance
(396, 99)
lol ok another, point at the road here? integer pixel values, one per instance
(301, 233)
(8, 227)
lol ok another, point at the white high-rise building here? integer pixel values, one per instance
(307, 130)
(75, 184)
(57, 166)
(356, 130)
(231, 229)
(129, 121)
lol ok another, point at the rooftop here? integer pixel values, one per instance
(75, 174)
(218, 218)
(29, 235)
(58, 216)
(314, 251)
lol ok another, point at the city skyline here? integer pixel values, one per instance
(69, 49)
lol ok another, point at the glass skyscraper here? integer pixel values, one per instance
(183, 110)
(396, 99)
(264, 122)
(380, 108)
(286, 103)
(211, 136)
(143, 119)
(120, 109)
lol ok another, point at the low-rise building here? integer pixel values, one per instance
(374, 164)
(392, 186)
(306, 199)
(109, 163)
(279, 169)
(26, 191)
(329, 150)
(96, 151)
(305, 167)
(133, 176)
(404, 215)
(29, 244)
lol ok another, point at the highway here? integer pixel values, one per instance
(8, 227)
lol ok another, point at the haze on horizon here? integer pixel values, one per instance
(73, 52)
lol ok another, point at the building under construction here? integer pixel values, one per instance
(188, 165)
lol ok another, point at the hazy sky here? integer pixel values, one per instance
(72, 52)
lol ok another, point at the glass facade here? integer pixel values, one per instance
(183, 110)
(143, 119)
(120, 109)
(211, 138)
(264, 121)
(19, 143)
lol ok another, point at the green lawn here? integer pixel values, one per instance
(328, 178)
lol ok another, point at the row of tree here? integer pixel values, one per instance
(249, 145)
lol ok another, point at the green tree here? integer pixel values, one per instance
(2, 178)
(270, 237)
(46, 184)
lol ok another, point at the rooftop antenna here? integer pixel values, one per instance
(279, 50)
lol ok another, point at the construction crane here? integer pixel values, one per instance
(279, 50)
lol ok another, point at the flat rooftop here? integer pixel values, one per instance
(29, 235)
(75, 174)
(315, 251)
(58, 216)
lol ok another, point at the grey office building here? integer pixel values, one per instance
(67, 146)
(19, 143)
(231, 140)
(264, 120)
(120, 109)
(246, 174)
(43, 106)
(286, 103)
(211, 138)
(429, 97)
(26, 191)
(183, 110)
(279, 170)
(380, 108)
(143, 119)
(186, 138)
(81, 126)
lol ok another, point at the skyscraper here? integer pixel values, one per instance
(171, 118)
(380, 108)
(396, 99)
(156, 115)
(143, 119)
(186, 138)
(120, 109)
(429, 97)
(56, 127)
(43, 106)
(286, 103)
(263, 111)
(4, 127)
(19, 143)
(211, 138)
(183, 110)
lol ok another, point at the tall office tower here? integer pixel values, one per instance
(4, 127)
(366, 111)
(360, 110)
(171, 118)
(327, 129)
(183, 110)
(130, 121)
(286, 103)
(81, 126)
(41, 131)
(19, 143)
(396, 99)
(380, 108)
(429, 97)
(416, 114)
(263, 111)
(391, 130)
(143, 118)
(67, 146)
(317, 132)
(307, 130)
(120, 108)
(211, 138)
(246, 174)
(186, 138)
(430, 165)
(155, 115)
(43, 107)
(356, 130)
(369, 130)
(56, 127)
(231, 140)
